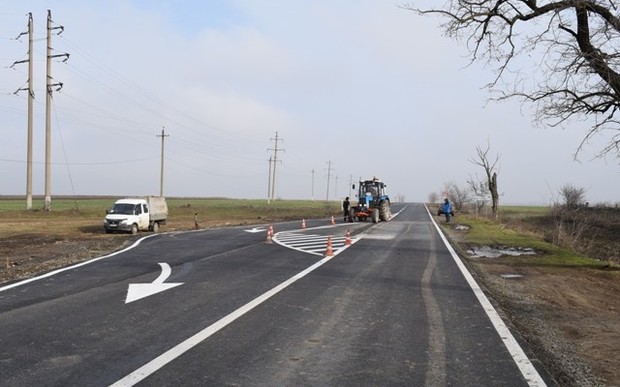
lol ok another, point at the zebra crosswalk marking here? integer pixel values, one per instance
(309, 243)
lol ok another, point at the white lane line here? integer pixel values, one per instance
(526, 367)
(384, 237)
(173, 353)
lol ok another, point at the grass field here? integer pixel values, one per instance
(85, 214)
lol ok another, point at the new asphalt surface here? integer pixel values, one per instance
(394, 308)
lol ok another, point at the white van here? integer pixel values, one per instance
(134, 214)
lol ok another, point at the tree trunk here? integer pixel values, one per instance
(494, 194)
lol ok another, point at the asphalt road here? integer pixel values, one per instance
(394, 308)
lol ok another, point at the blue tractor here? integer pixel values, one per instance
(373, 202)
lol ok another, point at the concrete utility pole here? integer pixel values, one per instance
(329, 172)
(48, 109)
(269, 183)
(275, 150)
(161, 173)
(30, 101)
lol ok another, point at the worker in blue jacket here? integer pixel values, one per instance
(447, 209)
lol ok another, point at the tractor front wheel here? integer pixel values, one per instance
(375, 215)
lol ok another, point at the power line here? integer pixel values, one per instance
(84, 164)
(156, 112)
(64, 151)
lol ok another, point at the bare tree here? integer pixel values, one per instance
(459, 196)
(575, 41)
(491, 175)
(572, 196)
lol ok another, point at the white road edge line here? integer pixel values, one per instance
(173, 353)
(52, 273)
(526, 367)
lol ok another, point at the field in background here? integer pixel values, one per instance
(84, 215)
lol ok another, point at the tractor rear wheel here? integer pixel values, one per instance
(384, 213)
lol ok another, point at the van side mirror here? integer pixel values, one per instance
(353, 186)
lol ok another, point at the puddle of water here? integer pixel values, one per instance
(496, 252)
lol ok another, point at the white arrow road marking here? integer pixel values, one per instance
(256, 230)
(138, 291)
(162, 360)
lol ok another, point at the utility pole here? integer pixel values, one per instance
(161, 170)
(329, 172)
(30, 101)
(269, 183)
(275, 150)
(48, 109)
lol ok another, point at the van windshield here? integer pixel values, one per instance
(123, 209)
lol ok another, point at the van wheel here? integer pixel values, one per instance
(134, 229)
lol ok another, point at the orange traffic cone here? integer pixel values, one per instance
(269, 234)
(303, 223)
(333, 220)
(347, 240)
(329, 252)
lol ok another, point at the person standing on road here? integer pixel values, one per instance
(447, 209)
(345, 208)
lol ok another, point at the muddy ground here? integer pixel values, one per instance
(570, 318)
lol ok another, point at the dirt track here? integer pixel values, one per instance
(569, 317)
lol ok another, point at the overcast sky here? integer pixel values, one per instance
(361, 85)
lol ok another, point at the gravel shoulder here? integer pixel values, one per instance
(569, 317)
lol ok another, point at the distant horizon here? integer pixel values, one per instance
(115, 197)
